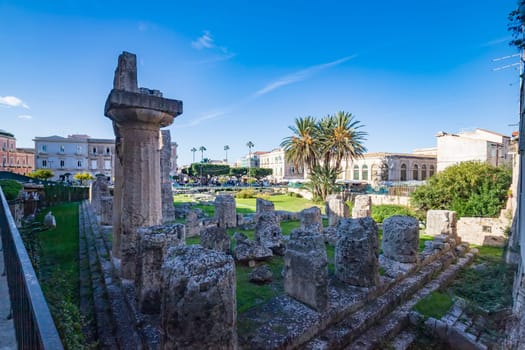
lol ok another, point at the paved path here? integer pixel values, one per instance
(7, 331)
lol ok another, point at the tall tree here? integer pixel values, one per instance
(193, 150)
(301, 148)
(226, 148)
(250, 145)
(202, 149)
(321, 146)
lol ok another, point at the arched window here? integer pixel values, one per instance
(415, 172)
(364, 172)
(431, 171)
(403, 172)
(356, 172)
(423, 172)
(374, 171)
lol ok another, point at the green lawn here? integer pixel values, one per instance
(247, 205)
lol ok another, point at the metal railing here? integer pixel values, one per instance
(34, 325)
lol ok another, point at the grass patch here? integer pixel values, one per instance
(59, 274)
(434, 305)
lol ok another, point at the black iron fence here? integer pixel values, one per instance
(34, 325)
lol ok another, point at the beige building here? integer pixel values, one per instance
(67, 156)
(281, 169)
(480, 145)
(382, 166)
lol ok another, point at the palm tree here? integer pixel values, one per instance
(193, 150)
(250, 145)
(202, 149)
(339, 137)
(226, 148)
(301, 148)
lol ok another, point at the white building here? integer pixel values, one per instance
(281, 169)
(375, 167)
(67, 156)
(479, 145)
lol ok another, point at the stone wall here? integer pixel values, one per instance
(379, 199)
(482, 231)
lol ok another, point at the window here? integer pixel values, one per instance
(374, 172)
(62, 163)
(364, 172)
(44, 163)
(43, 148)
(93, 164)
(107, 164)
(12, 146)
(403, 176)
(4, 161)
(62, 149)
(5, 145)
(356, 172)
(423, 172)
(12, 161)
(79, 149)
(79, 164)
(108, 151)
(94, 150)
(415, 172)
(431, 171)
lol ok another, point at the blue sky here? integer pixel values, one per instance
(246, 69)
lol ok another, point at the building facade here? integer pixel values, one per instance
(16, 160)
(67, 156)
(478, 145)
(395, 167)
(281, 169)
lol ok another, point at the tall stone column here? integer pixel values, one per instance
(168, 209)
(117, 193)
(139, 114)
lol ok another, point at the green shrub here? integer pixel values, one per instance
(245, 194)
(11, 189)
(383, 211)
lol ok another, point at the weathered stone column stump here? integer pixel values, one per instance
(154, 242)
(106, 210)
(306, 269)
(357, 251)
(336, 209)
(225, 212)
(138, 115)
(311, 219)
(262, 205)
(198, 308)
(362, 206)
(441, 222)
(401, 238)
(268, 232)
(98, 189)
(216, 238)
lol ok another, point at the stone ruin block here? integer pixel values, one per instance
(247, 250)
(154, 242)
(268, 232)
(306, 269)
(311, 219)
(216, 238)
(401, 238)
(198, 307)
(192, 223)
(362, 207)
(98, 189)
(357, 251)
(106, 205)
(441, 222)
(168, 209)
(225, 213)
(262, 205)
(336, 209)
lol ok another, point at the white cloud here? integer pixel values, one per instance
(25, 116)
(301, 75)
(205, 41)
(12, 101)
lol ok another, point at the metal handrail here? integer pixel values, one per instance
(34, 325)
